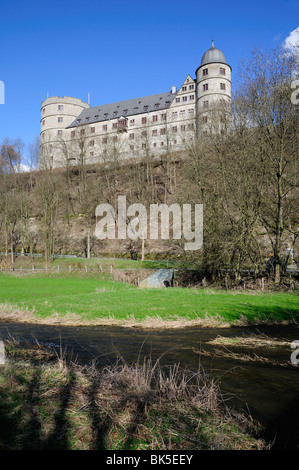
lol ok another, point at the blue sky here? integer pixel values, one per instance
(119, 50)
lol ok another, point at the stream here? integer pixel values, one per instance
(269, 392)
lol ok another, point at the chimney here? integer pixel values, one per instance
(173, 90)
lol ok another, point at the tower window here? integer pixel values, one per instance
(205, 104)
(60, 107)
(59, 132)
(222, 86)
(60, 119)
(205, 119)
(222, 70)
(205, 87)
(205, 72)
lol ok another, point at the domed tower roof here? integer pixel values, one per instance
(213, 55)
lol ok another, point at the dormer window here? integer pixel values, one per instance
(87, 119)
(96, 116)
(125, 111)
(114, 113)
(78, 120)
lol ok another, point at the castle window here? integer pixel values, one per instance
(163, 131)
(143, 134)
(125, 111)
(114, 125)
(44, 122)
(174, 129)
(91, 143)
(44, 110)
(183, 128)
(60, 119)
(157, 105)
(131, 136)
(185, 98)
(162, 143)
(155, 118)
(222, 70)
(184, 88)
(182, 113)
(205, 72)
(60, 107)
(205, 87)
(82, 131)
(174, 114)
(190, 126)
(222, 86)
(163, 117)
(87, 119)
(191, 97)
(59, 132)
(105, 127)
(177, 100)
(115, 113)
(155, 132)
(104, 140)
(205, 104)
(132, 122)
(92, 130)
(191, 112)
(78, 120)
(191, 87)
(205, 119)
(135, 109)
(96, 116)
(145, 107)
(143, 120)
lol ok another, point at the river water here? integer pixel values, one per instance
(269, 392)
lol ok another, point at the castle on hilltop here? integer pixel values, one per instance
(72, 131)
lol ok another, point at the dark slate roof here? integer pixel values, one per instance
(124, 109)
(213, 55)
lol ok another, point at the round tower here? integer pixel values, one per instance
(56, 114)
(213, 96)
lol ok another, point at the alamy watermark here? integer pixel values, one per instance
(2, 92)
(134, 222)
(295, 93)
(2, 353)
(295, 354)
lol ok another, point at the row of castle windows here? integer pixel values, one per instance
(184, 98)
(205, 87)
(205, 71)
(174, 130)
(123, 123)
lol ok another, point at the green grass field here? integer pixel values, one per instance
(93, 298)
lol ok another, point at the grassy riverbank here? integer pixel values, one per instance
(99, 300)
(47, 404)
